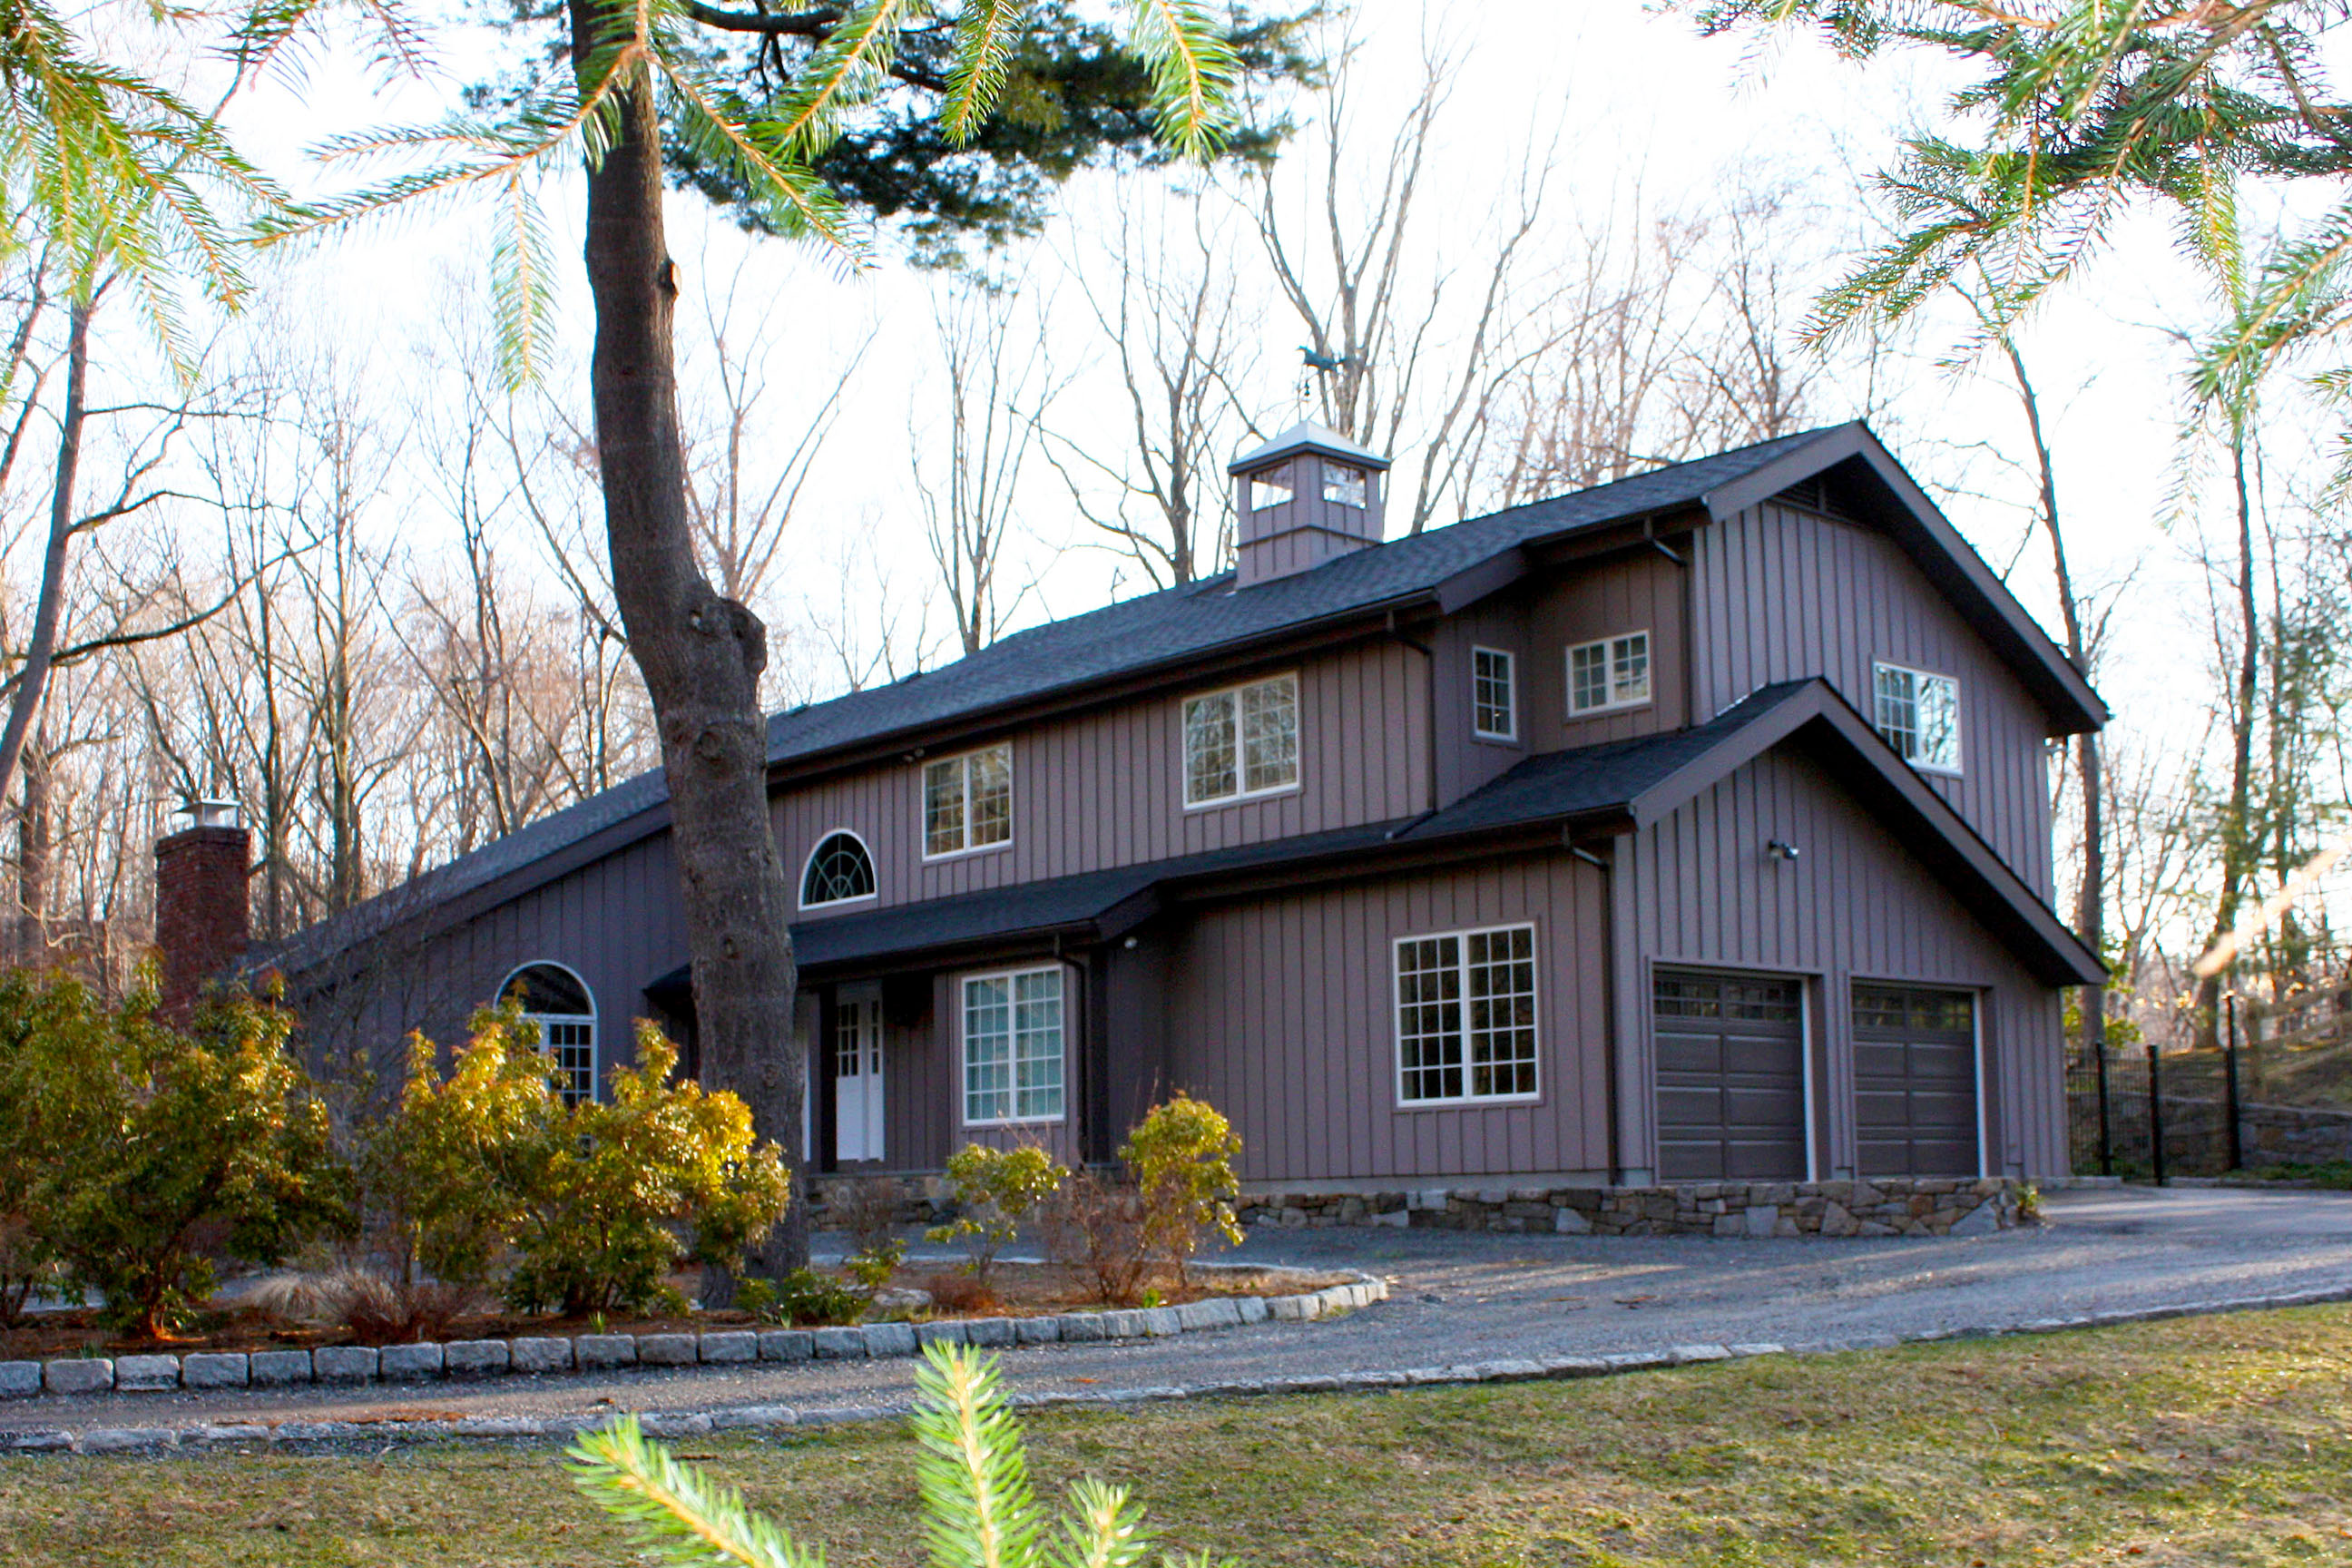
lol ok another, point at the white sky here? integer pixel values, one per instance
(1637, 97)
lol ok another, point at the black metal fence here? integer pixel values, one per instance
(2149, 1117)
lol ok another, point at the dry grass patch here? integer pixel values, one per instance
(2214, 1441)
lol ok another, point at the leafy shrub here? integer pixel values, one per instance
(872, 1266)
(803, 1298)
(1181, 1155)
(661, 1173)
(978, 1503)
(159, 1152)
(995, 1190)
(446, 1175)
(1095, 1225)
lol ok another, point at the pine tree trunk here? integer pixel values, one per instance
(701, 656)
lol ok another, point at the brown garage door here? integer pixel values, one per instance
(1731, 1078)
(1915, 1079)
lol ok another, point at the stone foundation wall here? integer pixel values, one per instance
(1886, 1206)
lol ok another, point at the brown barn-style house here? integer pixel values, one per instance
(1694, 828)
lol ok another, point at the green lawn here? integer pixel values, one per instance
(2224, 1440)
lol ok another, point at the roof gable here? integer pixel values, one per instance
(1163, 635)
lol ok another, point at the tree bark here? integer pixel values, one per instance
(700, 655)
(2237, 836)
(50, 610)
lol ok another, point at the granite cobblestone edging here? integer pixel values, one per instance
(1878, 1206)
(545, 1356)
(210, 1436)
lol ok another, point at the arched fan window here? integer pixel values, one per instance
(839, 871)
(558, 1001)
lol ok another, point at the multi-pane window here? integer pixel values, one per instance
(1012, 1047)
(1919, 714)
(968, 801)
(1271, 488)
(839, 871)
(1344, 484)
(1493, 695)
(1242, 741)
(554, 1000)
(1613, 672)
(1466, 1016)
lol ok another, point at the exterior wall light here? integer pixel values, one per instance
(1782, 849)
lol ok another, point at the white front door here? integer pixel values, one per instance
(857, 1075)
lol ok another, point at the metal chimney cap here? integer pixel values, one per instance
(204, 812)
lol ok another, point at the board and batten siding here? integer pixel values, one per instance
(1281, 1012)
(1784, 594)
(616, 923)
(1635, 593)
(1699, 889)
(1105, 788)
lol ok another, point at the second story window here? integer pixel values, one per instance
(1919, 714)
(1242, 741)
(1493, 695)
(1613, 672)
(839, 871)
(968, 802)
(1344, 484)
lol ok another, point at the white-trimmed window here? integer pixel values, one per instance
(1612, 672)
(1012, 1047)
(1493, 695)
(1467, 1017)
(1919, 714)
(558, 1002)
(1270, 487)
(1242, 741)
(839, 871)
(1345, 484)
(968, 802)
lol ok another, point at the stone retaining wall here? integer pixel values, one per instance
(2270, 1134)
(1886, 1206)
(605, 1352)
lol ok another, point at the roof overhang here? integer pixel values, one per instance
(1811, 714)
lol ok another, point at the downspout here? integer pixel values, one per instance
(1429, 657)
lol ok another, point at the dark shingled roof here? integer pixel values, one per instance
(1130, 637)
(1136, 636)
(1631, 781)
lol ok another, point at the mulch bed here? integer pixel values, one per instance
(1016, 1290)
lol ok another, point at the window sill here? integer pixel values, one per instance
(1480, 737)
(833, 905)
(1224, 801)
(931, 859)
(1017, 1121)
(1470, 1102)
(1610, 710)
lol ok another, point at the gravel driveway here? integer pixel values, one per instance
(1465, 1298)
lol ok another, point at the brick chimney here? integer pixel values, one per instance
(202, 921)
(1306, 497)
